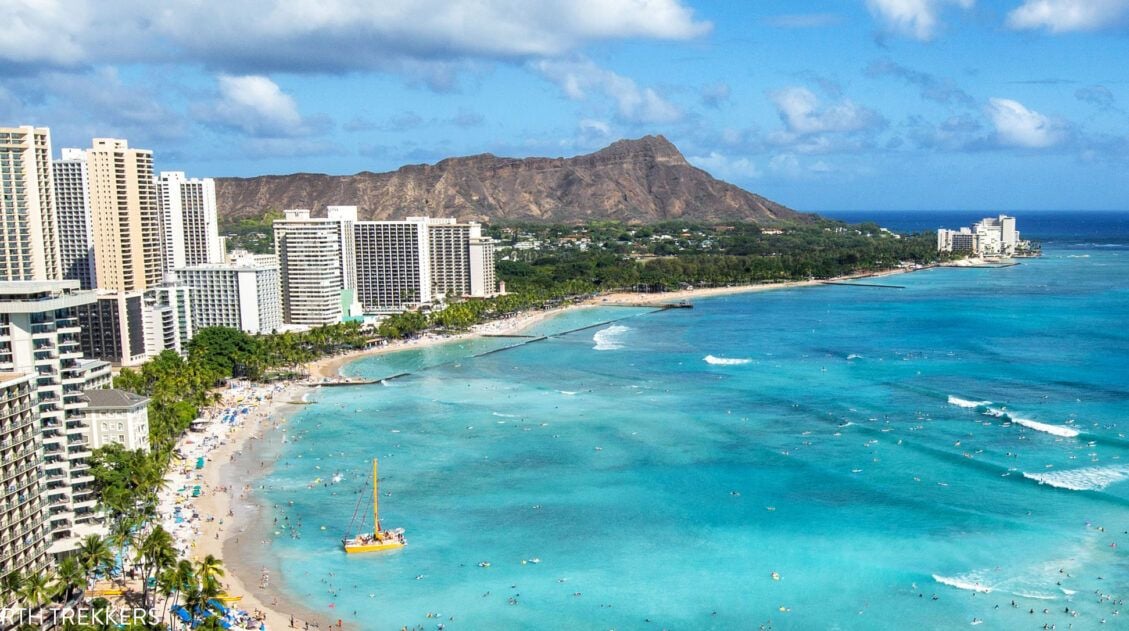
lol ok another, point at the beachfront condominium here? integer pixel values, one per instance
(461, 259)
(991, 236)
(483, 275)
(128, 245)
(188, 220)
(393, 264)
(403, 264)
(242, 294)
(315, 260)
(117, 417)
(76, 229)
(29, 239)
(39, 336)
(23, 529)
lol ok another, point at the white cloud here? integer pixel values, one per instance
(800, 110)
(725, 167)
(259, 36)
(1017, 126)
(1058, 16)
(578, 78)
(256, 106)
(915, 18)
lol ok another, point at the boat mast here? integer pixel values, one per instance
(375, 498)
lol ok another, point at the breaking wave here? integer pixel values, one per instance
(725, 361)
(1086, 479)
(1001, 413)
(965, 403)
(609, 339)
(1056, 430)
(967, 581)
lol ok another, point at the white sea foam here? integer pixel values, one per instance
(1086, 479)
(610, 339)
(567, 393)
(965, 403)
(966, 581)
(504, 415)
(1057, 430)
(726, 361)
(1033, 595)
(854, 356)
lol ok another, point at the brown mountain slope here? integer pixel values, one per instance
(631, 180)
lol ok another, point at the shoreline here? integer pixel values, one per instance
(213, 522)
(331, 367)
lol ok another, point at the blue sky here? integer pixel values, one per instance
(820, 105)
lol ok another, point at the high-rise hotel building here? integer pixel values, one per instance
(29, 240)
(316, 265)
(462, 260)
(128, 244)
(23, 531)
(76, 229)
(136, 315)
(189, 220)
(403, 264)
(393, 265)
(243, 294)
(39, 336)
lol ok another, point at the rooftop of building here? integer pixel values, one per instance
(8, 377)
(30, 296)
(113, 399)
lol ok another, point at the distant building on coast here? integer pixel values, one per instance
(337, 267)
(315, 260)
(189, 220)
(991, 236)
(241, 294)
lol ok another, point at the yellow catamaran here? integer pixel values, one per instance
(379, 539)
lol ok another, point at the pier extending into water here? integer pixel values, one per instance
(879, 285)
(661, 306)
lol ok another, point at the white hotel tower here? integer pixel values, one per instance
(189, 221)
(315, 259)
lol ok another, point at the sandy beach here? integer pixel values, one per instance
(240, 427)
(246, 425)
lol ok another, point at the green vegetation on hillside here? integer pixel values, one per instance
(254, 234)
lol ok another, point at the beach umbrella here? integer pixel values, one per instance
(182, 613)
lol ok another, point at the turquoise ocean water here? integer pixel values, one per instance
(817, 458)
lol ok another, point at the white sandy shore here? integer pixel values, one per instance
(213, 522)
(218, 522)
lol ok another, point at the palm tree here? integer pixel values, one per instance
(36, 590)
(209, 570)
(121, 536)
(71, 576)
(157, 553)
(166, 587)
(94, 554)
(183, 579)
(10, 586)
